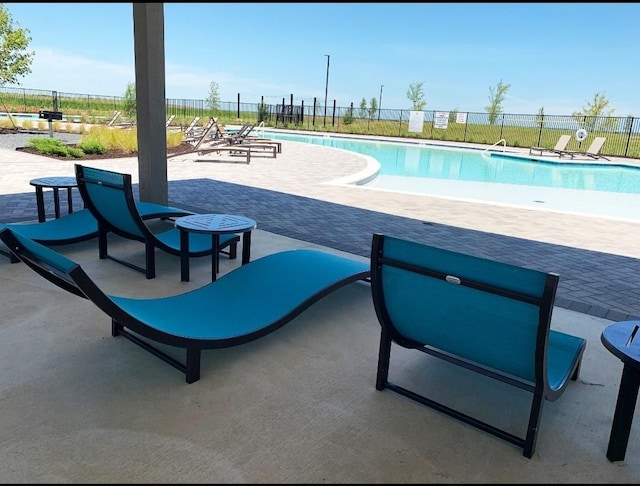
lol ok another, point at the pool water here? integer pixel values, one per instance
(604, 190)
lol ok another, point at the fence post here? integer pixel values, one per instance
(433, 119)
(540, 131)
(466, 124)
(315, 107)
(333, 115)
(626, 148)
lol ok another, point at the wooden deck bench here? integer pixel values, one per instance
(486, 316)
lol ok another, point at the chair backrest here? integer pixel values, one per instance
(170, 119)
(562, 143)
(213, 122)
(109, 197)
(496, 315)
(115, 117)
(191, 125)
(596, 145)
(50, 264)
(247, 131)
(70, 276)
(241, 135)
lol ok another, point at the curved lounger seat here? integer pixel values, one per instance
(241, 306)
(81, 225)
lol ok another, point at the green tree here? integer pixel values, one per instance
(416, 96)
(263, 112)
(540, 116)
(347, 119)
(15, 60)
(453, 114)
(496, 97)
(213, 100)
(373, 108)
(595, 116)
(363, 108)
(129, 100)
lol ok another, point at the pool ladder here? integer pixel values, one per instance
(502, 141)
(260, 128)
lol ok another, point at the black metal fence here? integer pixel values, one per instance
(516, 130)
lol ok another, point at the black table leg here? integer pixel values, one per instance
(623, 416)
(69, 200)
(184, 256)
(40, 204)
(215, 255)
(246, 247)
(56, 201)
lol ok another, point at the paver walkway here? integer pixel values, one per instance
(598, 260)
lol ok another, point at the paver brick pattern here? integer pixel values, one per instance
(291, 201)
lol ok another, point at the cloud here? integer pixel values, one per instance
(58, 71)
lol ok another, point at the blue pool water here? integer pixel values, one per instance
(604, 190)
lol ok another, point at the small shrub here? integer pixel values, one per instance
(92, 147)
(113, 138)
(74, 152)
(263, 112)
(52, 146)
(174, 139)
(348, 118)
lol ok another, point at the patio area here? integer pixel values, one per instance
(299, 405)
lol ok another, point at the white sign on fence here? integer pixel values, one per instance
(416, 121)
(441, 119)
(461, 118)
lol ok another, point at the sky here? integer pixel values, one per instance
(554, 56)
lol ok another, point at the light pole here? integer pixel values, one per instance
(326, 90)
(380, 101)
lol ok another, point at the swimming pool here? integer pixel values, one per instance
(601, 190)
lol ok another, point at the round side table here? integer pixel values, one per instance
(215, 225)
(55, 183)
(622, 339)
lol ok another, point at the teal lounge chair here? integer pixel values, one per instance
(109, 197)
(488, 317)
(81, 225)
(245, 304)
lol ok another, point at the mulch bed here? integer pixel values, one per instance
(109, 154)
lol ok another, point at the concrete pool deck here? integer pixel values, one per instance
(299, 405)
